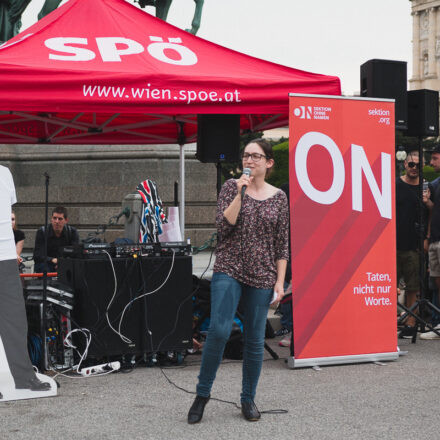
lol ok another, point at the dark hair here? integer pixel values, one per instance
(60, 210)
(265, 146)
(15, 217)
(413, 153)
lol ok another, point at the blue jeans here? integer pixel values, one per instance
(225, 296)
(286, 315)
(41, 267)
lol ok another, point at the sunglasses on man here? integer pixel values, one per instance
(413, 165)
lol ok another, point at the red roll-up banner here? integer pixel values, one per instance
(342, 230)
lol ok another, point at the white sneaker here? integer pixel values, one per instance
(431, 335)
(285, 342)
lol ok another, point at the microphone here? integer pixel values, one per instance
(246, 171)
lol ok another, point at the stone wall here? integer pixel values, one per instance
(91, 182)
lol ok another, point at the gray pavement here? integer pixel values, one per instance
(361, 401)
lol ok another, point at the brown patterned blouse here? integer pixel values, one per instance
(248, 250)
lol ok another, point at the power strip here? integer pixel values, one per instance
(103, 368)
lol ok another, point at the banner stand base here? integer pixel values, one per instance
(7, 384)
(340, 360)
(7, 388)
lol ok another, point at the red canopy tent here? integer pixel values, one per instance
(106, 72)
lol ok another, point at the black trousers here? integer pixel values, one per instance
(13, 322)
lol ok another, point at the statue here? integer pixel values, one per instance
(10, 17)
(48, 7)
(11, 12)
(163, 6)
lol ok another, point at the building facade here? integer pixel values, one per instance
(426, 45)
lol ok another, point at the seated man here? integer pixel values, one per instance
(60, 234)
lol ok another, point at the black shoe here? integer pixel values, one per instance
(282, 331)
(250, 411)
(34, 384)
(407, 332)
(195, 413)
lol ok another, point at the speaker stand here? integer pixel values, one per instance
(219, 177)
(43, 321)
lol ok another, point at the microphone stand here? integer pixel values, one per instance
(44, 303)
(219, 177)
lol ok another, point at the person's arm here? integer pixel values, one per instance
(427, 199)
(233, 210)
(428, 195)
(19, 247)
(281, 275)
(281, 248)
(226, 197)
(428, 231)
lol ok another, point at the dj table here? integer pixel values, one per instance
(132, 303)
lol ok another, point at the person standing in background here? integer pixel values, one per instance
(18, 237)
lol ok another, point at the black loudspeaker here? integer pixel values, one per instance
(218, 138)
(387, 79)
(423, 115)
(161, 321)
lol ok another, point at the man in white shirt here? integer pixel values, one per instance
(13, 322)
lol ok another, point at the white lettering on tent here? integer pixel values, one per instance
(157, 49)
(108, 48)
(302, 150)
(359, 164)
(59, 44)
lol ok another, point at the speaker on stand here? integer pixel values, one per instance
(387, 79)
(218, 140)
(423, 113)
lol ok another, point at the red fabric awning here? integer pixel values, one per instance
(104, 71)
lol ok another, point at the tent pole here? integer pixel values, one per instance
(182, 191)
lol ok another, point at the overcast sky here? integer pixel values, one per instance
(322, 36)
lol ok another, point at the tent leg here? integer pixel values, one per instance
(182, 191)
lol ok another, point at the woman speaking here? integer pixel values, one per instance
(251, 257)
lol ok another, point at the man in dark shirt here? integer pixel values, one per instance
(60, 234)
(434, 239)
(407, 235)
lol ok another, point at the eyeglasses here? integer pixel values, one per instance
(413, 165)
(256, 157)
